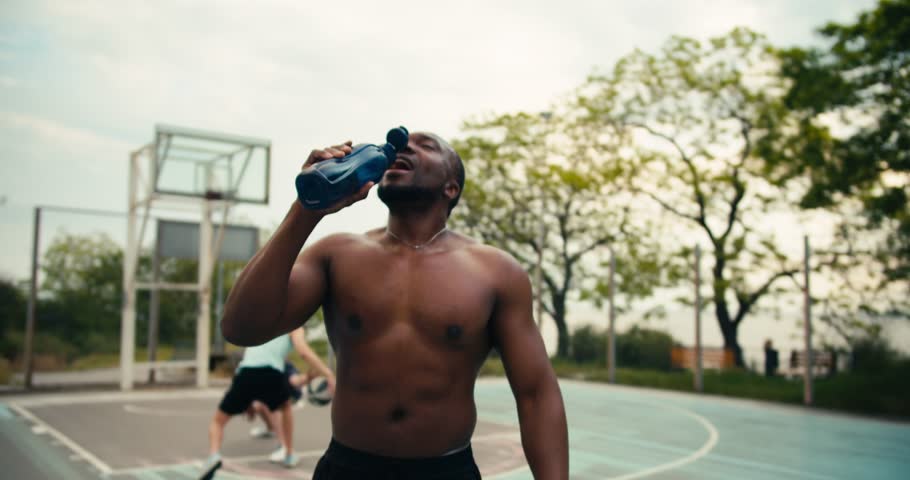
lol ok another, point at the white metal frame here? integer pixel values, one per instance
(143, 194)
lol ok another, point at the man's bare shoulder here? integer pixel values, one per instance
(335, 242)
(500, 263)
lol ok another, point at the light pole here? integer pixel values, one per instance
(807, 325)
(699, 380)
(541, 235)
(611, 329)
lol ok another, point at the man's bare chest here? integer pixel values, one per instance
(437, 298)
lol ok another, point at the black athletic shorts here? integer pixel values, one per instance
(345, 463)
(265, 384)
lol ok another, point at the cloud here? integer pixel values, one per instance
(48, 162)
(93, 77)
(49, 131)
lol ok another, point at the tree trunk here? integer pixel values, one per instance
(559, 317)
(729, 328)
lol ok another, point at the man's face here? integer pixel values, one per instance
(419, 173)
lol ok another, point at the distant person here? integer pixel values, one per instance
(257, 409)
(772, 360)
(266, 429)
(412, 310)
(260, 377)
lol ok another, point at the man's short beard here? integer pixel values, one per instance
(395, 195)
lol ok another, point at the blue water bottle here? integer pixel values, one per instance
(323, 184)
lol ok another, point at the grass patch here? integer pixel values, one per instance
(884, 392)
(6, 371)
(110, 360)
(747, 384)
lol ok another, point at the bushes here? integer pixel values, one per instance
(588, 345)
(10, 344)
(51, 351)
(12, 316)
(877, 385)
(12, 305)
(884, 392)
(6, 371)
(636, 348)
(644, 348)
(877, 382)
(872, 355)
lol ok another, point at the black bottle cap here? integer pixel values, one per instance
(397, 137)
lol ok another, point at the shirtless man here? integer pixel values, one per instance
(412, 311)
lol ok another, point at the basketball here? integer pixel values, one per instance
(318, 392)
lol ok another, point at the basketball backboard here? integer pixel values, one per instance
(217, 166)
(187, 167)
(181, 240)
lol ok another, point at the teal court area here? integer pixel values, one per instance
(615, 433)
(627, 433)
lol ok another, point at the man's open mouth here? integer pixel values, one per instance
(400, 165)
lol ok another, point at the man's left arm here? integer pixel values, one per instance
(541, 413)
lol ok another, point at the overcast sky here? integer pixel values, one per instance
(83, 82)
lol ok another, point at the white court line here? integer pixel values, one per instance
(713, 438)
(198, 463)
(75, 447)
(161, 412)
(306, 453)
(113, 397)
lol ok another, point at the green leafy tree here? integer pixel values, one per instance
(856, 300)
(82, 293)
(82, 278)
(697, 119)
(644, 348)
(860, 86)
(526, 172)
(12, 305)
(12, 316)
(636, 348)
(589, 345)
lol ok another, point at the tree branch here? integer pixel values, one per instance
(605, 240)
(701, 219)
(738, 186)
(670, 208)
(740, 193)
(746, 301)
(745, 130)
(672, 141)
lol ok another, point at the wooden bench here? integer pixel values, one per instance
(712, 358)
(824, 363)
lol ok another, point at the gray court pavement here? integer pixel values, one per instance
(162, 434)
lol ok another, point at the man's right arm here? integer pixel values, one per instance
(260, 306)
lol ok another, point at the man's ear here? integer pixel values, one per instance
(452, 189)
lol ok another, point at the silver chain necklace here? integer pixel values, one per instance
(419, 245)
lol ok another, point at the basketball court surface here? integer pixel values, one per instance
(615, 433)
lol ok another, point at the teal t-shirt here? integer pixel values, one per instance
(270, 354)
